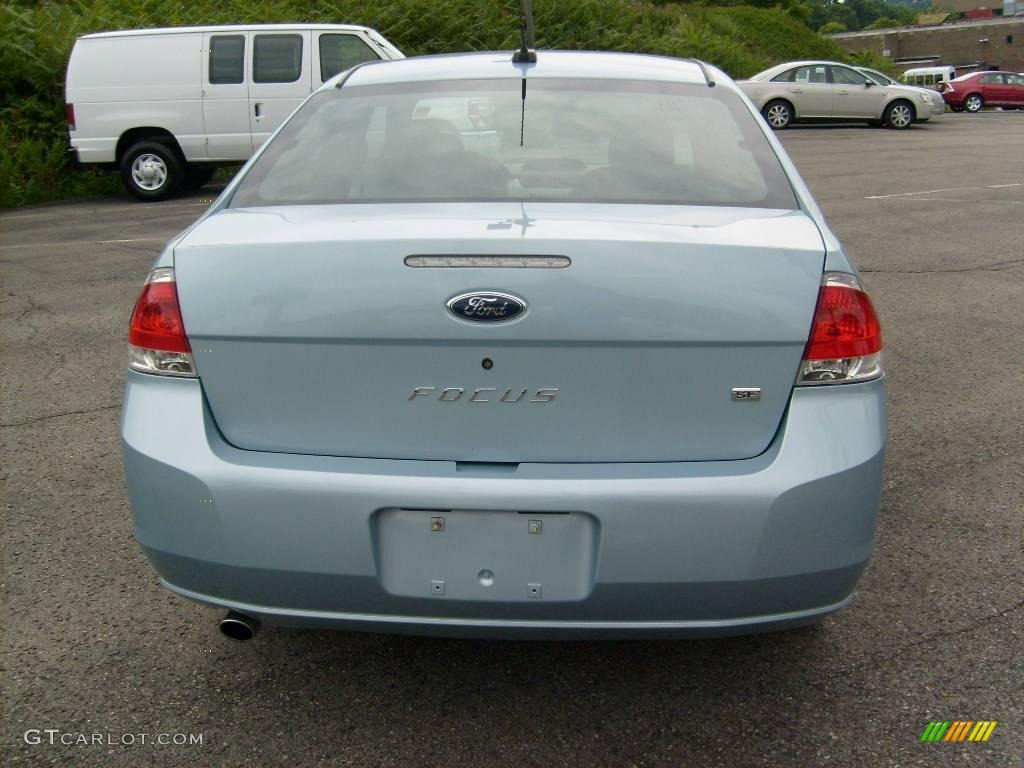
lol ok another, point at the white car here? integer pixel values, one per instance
(827, 90)
(168, 106)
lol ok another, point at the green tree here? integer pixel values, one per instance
(859, 14)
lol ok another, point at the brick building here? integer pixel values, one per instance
(967, 45)
(962, 6)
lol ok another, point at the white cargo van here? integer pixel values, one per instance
(168, 106)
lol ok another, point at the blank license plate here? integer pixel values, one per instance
(488, 556)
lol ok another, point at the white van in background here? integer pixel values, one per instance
(168, 106)
(928, 77)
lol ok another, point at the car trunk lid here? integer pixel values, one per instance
(315, 333)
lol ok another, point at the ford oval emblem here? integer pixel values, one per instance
(486, 306)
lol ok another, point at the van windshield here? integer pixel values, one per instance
(478, 140)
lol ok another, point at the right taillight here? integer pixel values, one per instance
(157, 332)
(69, 115)
(845, 343)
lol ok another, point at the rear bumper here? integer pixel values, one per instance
(681, 549)
(954, 99)
(95, 150)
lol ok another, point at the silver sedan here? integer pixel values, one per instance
(827, 90)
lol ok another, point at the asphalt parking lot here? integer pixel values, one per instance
(91, 644)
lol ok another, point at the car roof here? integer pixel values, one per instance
(920, 70)
(791, 64)
(224, 28)
(549, 64)
(809, 62)
(967, 75)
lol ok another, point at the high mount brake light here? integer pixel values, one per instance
(157, 333)
(845, 342)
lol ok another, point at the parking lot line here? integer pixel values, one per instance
(961, 201)
(937, 191)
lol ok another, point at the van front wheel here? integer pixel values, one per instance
(151, 171)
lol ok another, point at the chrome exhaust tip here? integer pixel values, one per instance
(239, 627)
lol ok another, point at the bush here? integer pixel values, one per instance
(36, 40)
(884, 22)
(832, 28)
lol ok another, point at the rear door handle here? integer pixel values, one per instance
(796, 90)
(842, 93)
(258, 109)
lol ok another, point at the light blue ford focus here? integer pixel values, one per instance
(487, 347)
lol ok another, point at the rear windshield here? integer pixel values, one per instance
(478, 140)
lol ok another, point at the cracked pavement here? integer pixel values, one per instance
(92, 644)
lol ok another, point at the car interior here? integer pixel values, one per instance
(462, 146)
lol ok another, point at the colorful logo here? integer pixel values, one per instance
(959, 730)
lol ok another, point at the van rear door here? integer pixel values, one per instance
(280, 77)
(226, 96)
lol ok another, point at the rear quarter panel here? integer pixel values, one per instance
(137, 81)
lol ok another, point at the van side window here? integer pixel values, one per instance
(277, 58)
(227, 59)
(341, 52)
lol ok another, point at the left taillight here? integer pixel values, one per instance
(157, 332)
(69, 114)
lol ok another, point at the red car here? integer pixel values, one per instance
(984, 89)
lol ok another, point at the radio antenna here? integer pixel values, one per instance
(525, 54)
